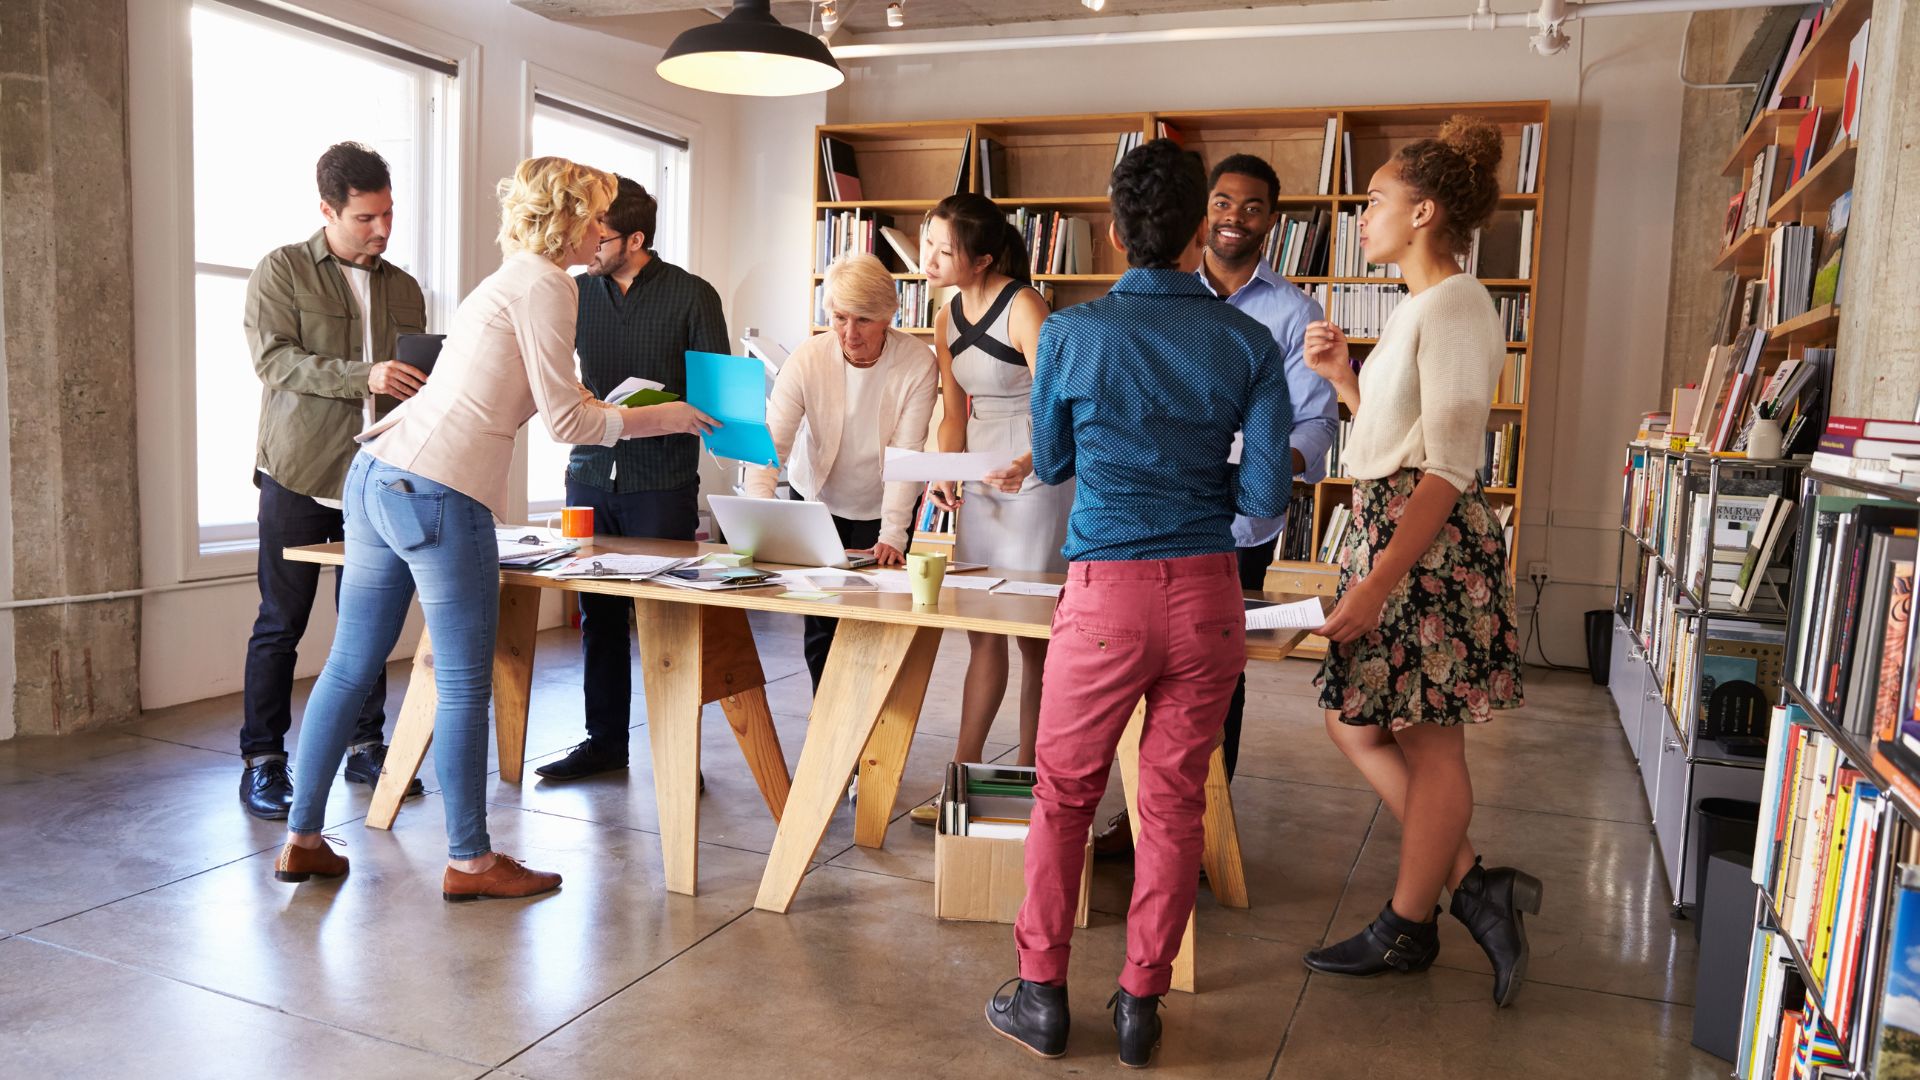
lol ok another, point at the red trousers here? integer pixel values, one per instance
(1174, 632)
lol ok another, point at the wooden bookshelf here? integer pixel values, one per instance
(1061, 163)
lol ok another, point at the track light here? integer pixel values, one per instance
(1093, 5)
(829, 17)
(896, 16)
(1551, 39)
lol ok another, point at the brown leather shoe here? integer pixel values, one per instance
(506, 879)
(1116, 840)
(300, 863)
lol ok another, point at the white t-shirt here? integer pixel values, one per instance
(854, 490)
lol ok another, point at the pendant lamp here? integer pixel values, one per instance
(750, 52)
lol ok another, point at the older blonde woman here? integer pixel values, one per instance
(860, 389)
(421, 499)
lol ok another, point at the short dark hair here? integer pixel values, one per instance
(633, 210)
(1248, 165)
(981, 228)
(348, 167)
(1159, 202)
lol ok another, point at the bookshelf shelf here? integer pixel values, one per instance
(896, 277)
(1825, 57)
(1814, 327)
(1747, 253)
(1828, 179)
(1774, 126)
(1064, 162)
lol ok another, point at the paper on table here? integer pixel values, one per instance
(825, 577)
(633, 567)
(1028, 588)
(905, 465)
(897, 581)
(1300, 615)
(803, 594)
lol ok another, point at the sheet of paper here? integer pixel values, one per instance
(1028, 588)
(632, 385)
(632, 567)
(1300, 615)
(897, 581)
(905, 465)
(826, 577)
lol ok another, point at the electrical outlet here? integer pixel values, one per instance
(1536, 570)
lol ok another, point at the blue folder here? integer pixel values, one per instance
(732, 390)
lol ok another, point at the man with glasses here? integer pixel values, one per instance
(320, 316)
(639, 315)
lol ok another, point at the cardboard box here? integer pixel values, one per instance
(982, 879)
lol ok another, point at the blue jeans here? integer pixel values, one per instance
(405, 531)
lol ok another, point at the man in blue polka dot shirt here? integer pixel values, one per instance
(1137, 395)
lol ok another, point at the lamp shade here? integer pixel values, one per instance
(750, 52)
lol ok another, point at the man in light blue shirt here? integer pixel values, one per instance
(1242, 192)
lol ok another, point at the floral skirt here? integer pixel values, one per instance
(1447, 650)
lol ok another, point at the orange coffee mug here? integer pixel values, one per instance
(576, 522)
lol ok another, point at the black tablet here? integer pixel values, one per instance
(420, 350)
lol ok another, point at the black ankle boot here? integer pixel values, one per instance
(1490, 903)
(1137, 1020)
(1034, 1015)
(1389, 943)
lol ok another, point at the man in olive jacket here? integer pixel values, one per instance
(322, 320)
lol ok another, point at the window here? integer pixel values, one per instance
(658, 163)
(271, 91)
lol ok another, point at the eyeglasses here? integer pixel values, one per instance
(620, 236)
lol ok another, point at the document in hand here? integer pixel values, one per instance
(921, 468)
(636, 391)
(732, 390)
(1299, 615)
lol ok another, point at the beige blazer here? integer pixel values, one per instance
(807, 412)
(509, 356)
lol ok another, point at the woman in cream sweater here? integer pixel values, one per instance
(1423, 640)
(421, 500)
(840, 400)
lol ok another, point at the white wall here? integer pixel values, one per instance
(1610, 175)
(193, 642)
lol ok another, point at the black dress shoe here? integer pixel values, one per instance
(1389, 943)
(1034, 1015)
(1490, 903)
(266, 790)
(1116, 840)
(1137, 1020)
(365, 767)
(587, 759)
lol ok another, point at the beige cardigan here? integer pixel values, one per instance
(810, 393)
(509, 356)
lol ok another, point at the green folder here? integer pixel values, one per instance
(648, 397)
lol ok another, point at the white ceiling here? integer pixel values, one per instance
(657, 21)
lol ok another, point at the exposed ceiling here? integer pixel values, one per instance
(657, 21)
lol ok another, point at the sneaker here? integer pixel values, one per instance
(365, 765)
(587, 759)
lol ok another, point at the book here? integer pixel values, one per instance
(1885, 719)
(1326, 157)
(907, 250)
(841, 170)
(1805, 145)
(1896, 1045)
(1874, 428)
(966, 159)
(1856, 89)
(1801, 31)
(1736, 215)
(993, 169)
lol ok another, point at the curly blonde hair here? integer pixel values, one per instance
(1457, 170)
(548, 203)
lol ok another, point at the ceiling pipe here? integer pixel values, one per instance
(1552, 13)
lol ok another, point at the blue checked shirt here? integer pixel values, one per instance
(1138, 395)
(1285, 311)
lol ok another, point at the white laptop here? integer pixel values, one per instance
(782, 531)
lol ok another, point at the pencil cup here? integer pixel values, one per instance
(1763, 442)
(926, 572)
(576, 522)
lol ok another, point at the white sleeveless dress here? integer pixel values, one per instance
(1023, 531)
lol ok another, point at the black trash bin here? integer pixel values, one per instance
(1599, 644)
(1718, 825)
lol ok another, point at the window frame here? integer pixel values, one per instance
(541, 82)
(447, 134)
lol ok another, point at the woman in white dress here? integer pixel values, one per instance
(985, 340)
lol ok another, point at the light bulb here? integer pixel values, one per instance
(829, 17)
(896, 16)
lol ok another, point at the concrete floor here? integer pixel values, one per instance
(141, 929)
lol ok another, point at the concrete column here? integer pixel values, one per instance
(1878, 369)
(69, 507)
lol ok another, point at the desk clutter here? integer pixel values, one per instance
(979, 846)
